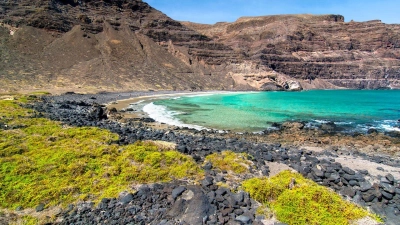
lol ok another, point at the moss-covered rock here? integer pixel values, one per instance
(296, 200)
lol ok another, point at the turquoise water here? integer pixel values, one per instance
(256, 111)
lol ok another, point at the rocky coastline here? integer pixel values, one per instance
(377, 188)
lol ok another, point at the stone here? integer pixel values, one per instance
(365, 186)
(178, 191)
(211, 196)
(364, 172)
(390, 178)
(368, 196)
(226, 211)
(238, 211)
(334, 176)
(243, 219)
(387, 195)
(219, 178)
(127, 198)
(221, 191)
(318, 173)
(387, 187)
(390, 216)
(40, 207)
(348, 191)
(349, 177)
(380, 168)
(219, 198)
(269, 158)
(353, 183)
(207, 166)
(207, 181)
(384, 180)
(192, 211)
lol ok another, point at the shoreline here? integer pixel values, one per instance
(344, 126)
(137, 112)
(289, 133)
(350, 166)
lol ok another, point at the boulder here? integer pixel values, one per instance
(178, 191)
(365, 186)
(192, 207)
(293, 125)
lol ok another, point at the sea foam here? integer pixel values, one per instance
(161, 114)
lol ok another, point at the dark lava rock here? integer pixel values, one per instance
(318, 172)
(387, 195)
(178, 191)
(365, 186)
(353, 183)
(207, 181)
(387, 187)
(364, 172)
(208, 166)
(390, 178)
(127, 198)
(243, 219)
(380, 168)
(40, 207)
(368, 196)
(191, 209)
(348, 171)
(348, 191)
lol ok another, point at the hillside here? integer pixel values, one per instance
(122, 45)
(109, 45)
(316, 48)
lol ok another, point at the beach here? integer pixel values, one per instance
(369, 179)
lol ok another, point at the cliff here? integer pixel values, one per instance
(96, 45)
(320, 51)
(105, 45)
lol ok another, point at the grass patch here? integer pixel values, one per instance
(230, 161)
(27, 220)
(42, 162)
(297, 200)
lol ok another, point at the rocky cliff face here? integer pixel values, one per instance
(128, 45)
(320, 51)
(106, 45)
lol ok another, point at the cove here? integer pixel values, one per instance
(353, 110)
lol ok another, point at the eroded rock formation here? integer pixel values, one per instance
(110, 45)
(96, 45)
(320, 51)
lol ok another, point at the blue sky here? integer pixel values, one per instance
(212, 11)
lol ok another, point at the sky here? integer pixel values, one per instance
(212, 11)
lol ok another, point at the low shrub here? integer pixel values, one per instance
(230, 161)
(296, 200)
(43, 162)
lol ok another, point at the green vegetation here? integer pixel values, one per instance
(43, 162)
(230, 161)
(27, 220)
(296, 200)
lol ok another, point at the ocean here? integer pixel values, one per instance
(350, 110)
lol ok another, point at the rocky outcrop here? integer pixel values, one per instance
(105, 45)
(94, 45)
(362, 55)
